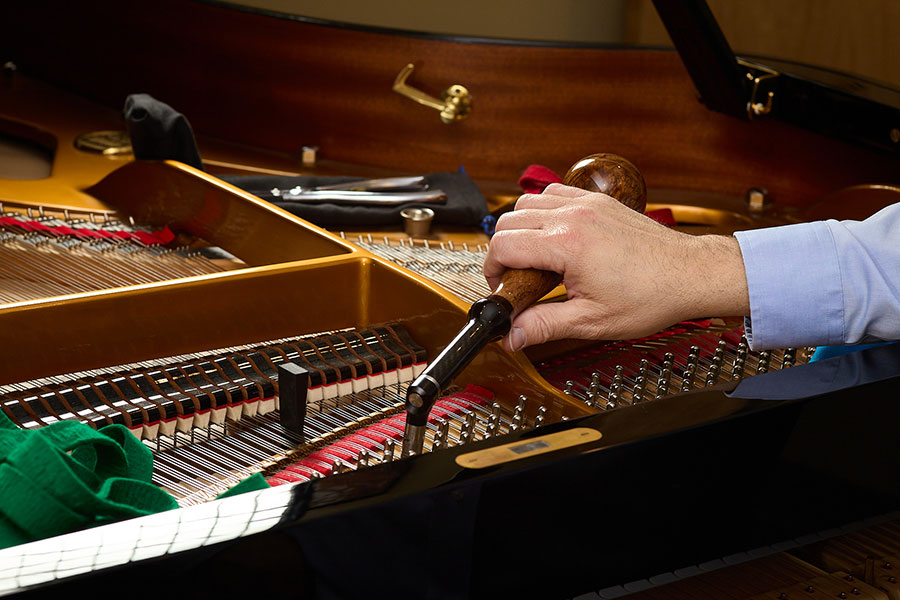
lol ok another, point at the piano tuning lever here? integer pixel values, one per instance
(490, 318)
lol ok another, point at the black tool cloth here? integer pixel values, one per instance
(158, 132)
(465, 203)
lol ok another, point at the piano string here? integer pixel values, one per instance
(57, 253)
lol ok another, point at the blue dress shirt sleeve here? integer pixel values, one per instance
(824, 283)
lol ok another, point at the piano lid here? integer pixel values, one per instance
(828, 102)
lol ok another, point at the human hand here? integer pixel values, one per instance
(626, 275)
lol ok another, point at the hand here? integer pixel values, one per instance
(626, 275)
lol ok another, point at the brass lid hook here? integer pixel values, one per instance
(455, 102)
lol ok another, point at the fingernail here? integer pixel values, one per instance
(516, 339)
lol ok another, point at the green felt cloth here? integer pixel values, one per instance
(68, 476)
(251, 484)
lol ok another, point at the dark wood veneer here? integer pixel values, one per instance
(280, 83)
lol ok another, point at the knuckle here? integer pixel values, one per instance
(579, 212)
(554, 188)
(568, 237)
(525, 201)
(504, 222)
(499, 240)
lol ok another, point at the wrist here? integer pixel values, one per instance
(719, 280)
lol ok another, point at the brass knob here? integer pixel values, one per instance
(455, 102)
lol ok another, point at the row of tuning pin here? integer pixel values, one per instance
(652, 382)
(497, 423)
(453, 429)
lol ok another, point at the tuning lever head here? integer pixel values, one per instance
(612, 175)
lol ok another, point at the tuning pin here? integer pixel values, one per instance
(763, 365)
(364, 458)
(570, 386)
(470, 425)
(519, 414)
(337, 467)
(737, 369)
(788, 358)
(637, 394)
(662, 383)
(595, 383)
(541, 415)
(612, 401)
(523, 402)
(495, 414)
(388, 455)
(687, 380)
(444, 431)
(439, 441)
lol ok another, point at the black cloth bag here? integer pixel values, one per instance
(465, 204)
(159, 132)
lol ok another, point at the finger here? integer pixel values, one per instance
(541, 201)
(522, 249)
(522, 219)
(567, 191)
(543, 323)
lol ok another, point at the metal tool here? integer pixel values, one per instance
(385, 184)
(361, 198)
(384, 191)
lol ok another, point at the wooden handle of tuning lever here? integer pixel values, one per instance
(607, 173)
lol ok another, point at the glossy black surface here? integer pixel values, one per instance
(671, 483)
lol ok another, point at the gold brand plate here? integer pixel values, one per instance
(543, 444)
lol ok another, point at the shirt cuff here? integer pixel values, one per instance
(794, 280)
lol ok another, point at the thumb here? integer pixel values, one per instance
(543, 323)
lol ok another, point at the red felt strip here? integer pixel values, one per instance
(537, 177)
(164, 235)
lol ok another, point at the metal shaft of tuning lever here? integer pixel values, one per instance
(490, 318)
